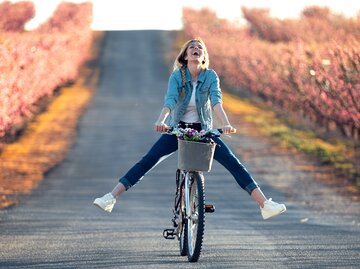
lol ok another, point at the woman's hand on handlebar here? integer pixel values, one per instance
(161, 127)
(228, 129)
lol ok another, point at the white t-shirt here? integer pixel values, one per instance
(191, 115)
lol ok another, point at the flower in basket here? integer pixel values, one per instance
(190, 134)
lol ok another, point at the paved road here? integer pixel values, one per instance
(58, 227)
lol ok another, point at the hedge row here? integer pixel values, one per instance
(308, 65)
(34, 64)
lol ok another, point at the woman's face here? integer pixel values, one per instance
(195, 52)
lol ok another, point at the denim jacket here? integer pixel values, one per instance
(207, 95)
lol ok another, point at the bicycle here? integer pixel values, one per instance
(189, 207)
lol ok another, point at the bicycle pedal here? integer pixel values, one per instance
(169, 233)
(209, 208)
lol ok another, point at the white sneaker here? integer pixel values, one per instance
(271, 209)
(106, 202)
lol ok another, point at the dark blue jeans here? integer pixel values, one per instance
(167, 144)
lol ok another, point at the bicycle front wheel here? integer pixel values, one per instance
(195, 213)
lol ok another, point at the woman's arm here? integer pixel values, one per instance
(160, 125)
(220, 113)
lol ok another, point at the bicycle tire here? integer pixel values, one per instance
(182, 236)
(195, 222)
(183, 241)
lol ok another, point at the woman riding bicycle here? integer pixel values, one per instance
(190, 105)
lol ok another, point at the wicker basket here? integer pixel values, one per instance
(195, 156)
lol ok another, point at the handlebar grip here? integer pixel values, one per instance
(221, 131)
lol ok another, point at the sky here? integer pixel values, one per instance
(166, 14)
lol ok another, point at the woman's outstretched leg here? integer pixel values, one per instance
(225, 156)
(163, 147)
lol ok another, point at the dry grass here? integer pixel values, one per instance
(47, 138)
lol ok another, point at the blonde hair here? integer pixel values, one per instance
(180, 61)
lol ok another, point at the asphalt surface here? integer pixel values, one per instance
(58, 227)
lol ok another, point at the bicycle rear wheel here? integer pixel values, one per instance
(195, 213)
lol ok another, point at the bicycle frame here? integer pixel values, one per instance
(189, 209)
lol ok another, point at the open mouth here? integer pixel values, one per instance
(196, 53)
